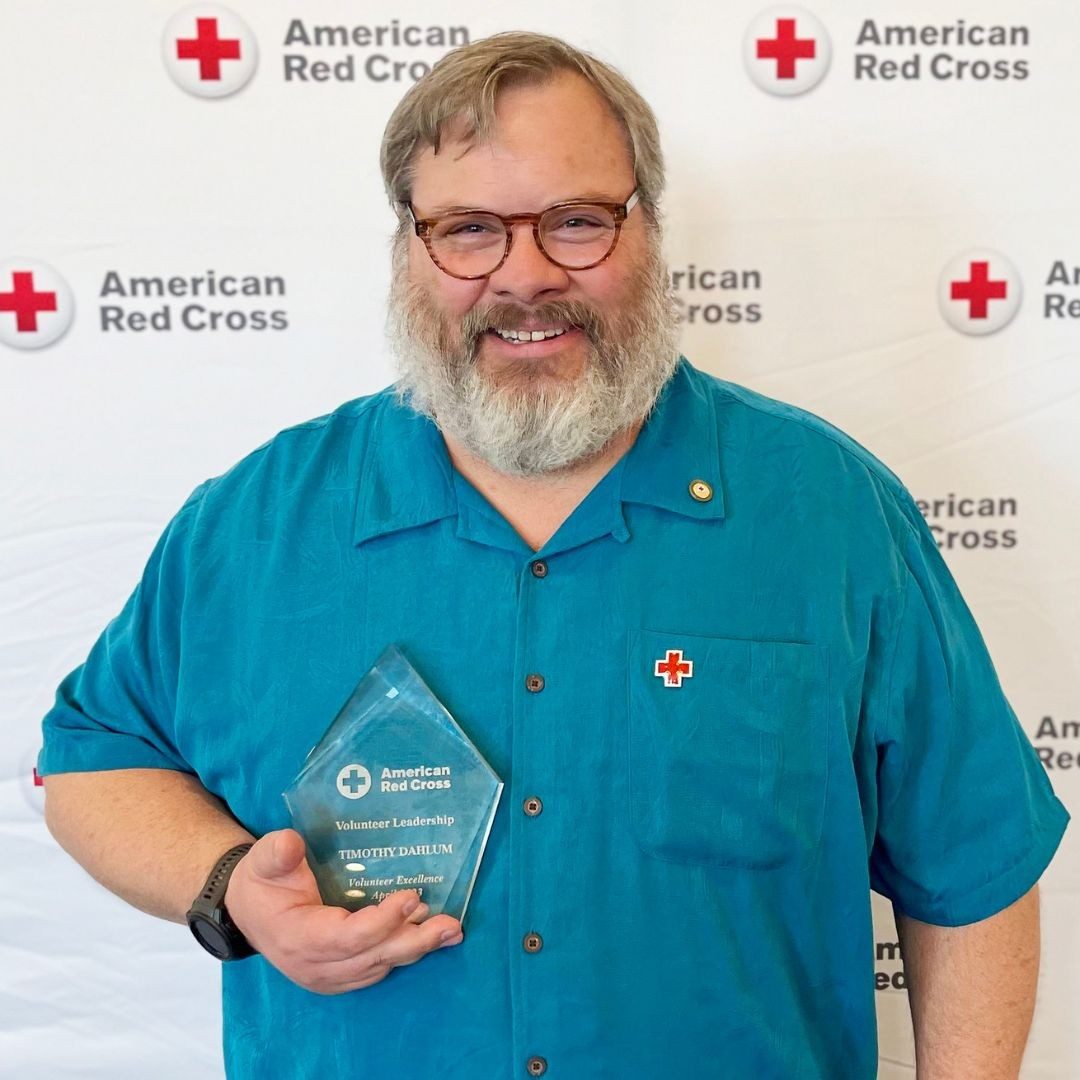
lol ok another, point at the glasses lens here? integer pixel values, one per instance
(577, 236)
(469, 244)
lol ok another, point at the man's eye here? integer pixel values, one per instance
(469, 228)
(579, 223)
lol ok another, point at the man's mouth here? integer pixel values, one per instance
(517, 337)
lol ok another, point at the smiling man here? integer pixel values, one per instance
(705, 638)
(538, 344)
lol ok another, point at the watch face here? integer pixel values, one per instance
(210, 936)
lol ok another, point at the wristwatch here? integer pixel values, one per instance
(208, 918)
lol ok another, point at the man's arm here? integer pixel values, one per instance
(972, 991)
(149, 835)
(152, 837)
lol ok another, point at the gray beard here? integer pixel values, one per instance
(535, 425)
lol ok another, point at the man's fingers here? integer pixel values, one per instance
(419, 915)
(409, 944)
(328, 933)
(371, 927)
(365, 928)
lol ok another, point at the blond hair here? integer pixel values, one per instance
(463, 87)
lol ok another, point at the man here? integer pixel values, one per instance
(704, 637)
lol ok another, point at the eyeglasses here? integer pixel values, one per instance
(475, 243)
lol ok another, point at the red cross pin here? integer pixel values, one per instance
(673, 668)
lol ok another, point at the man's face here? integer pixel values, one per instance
(544, 406)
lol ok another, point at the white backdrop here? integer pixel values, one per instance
(838, 212)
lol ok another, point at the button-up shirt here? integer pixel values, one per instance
(736, 690)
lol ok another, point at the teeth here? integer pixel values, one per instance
(528, 335)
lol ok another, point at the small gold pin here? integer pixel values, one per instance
(700, 490)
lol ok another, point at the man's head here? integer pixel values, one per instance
(514, 124)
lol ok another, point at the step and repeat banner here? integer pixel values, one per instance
(871, 213)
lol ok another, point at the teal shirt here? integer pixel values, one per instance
(700, 871)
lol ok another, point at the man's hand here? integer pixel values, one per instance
(274, 900)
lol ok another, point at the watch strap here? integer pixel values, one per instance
(210, 904)
(213, 892)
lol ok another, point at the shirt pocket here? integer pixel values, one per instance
(729, 768)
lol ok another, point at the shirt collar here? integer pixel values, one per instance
(406, 476)
(677, 446)
(407, 479)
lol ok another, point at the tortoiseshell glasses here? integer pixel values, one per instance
(472, 244)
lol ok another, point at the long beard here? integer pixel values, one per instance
(530, 422)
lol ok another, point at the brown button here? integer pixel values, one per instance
(539, 568)
(532, 806)
(536, 1066)
(533, 942)
(534, 683)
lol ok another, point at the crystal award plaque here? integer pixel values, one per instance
(394, 796)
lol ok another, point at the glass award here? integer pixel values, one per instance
(394, 796)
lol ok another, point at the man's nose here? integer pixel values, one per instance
(528, 275)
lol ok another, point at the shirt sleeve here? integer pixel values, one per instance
(967, 818)
(117, 709)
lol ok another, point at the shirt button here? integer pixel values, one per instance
(532, 806)
(700, 490)
(534, 683)
(532, 942)
(536, 1066)
(539, 568)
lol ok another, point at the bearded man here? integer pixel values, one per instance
(705, 638)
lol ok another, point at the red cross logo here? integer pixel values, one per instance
(979, 290)
(970, 281)
(673, 668)
(208, 49)
(786, 48)
(354, 781)
(25, 302)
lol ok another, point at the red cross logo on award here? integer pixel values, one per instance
(354, 781)
(36, 305)
(209, 51)
(786, 50)
(979, 292)
(672, 668)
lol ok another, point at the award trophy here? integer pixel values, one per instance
(394, 796)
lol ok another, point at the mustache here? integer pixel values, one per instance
(510, 316)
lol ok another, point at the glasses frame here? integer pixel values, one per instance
(619, 211)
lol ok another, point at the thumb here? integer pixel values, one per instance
(277, 854)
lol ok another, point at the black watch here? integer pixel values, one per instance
(208, 919)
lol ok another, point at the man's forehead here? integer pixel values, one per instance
(607, 195)
(552, 141)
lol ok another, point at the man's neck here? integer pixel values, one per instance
(537, 505)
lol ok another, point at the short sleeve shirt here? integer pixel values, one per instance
(762, 697)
